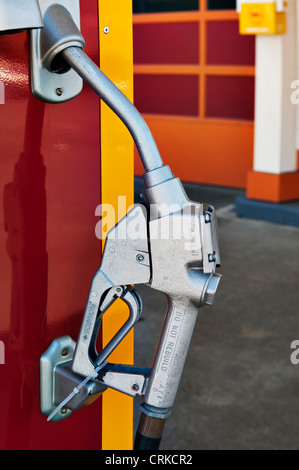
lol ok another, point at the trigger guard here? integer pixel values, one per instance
(133, 300)
(86, 357)
(105, 304)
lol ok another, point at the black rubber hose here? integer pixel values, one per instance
(149, 433)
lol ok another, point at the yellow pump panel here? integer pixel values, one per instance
(117, 180)
(262, 18)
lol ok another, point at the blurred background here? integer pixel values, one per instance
(218, 104)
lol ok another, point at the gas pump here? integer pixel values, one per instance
(170, 243)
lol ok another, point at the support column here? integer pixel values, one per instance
(274, 177)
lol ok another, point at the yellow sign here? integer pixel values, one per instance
(262, 18)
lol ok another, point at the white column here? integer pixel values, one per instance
(275, 115)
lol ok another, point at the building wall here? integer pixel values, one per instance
(194, 82)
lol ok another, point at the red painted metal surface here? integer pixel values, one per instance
(49, 189)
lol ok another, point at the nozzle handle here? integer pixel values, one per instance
(171, 353)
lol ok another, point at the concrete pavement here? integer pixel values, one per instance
(239, 389)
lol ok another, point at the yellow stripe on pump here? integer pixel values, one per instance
(117, 167)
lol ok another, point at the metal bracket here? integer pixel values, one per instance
(211, 257)
(16, 16)
(130, 380)
(57, 380)
(51, 80)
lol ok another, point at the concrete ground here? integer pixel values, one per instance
(239, 389)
